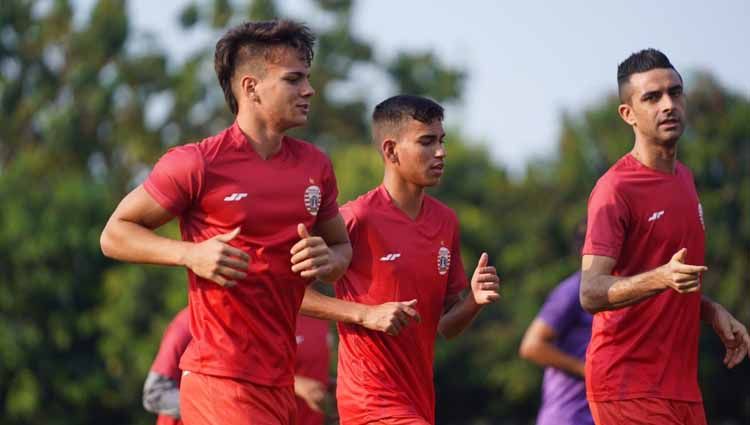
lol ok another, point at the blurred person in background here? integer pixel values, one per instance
(557, 340)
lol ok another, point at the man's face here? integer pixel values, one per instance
(283, 92)
(656, 106)
(420, 150)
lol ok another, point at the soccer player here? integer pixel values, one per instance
(406, 253)
(161, 391)
(259, 221)
(643, 265)
(557, 339)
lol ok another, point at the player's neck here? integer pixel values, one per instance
(406, 196)
(263, 138)
(657, 156)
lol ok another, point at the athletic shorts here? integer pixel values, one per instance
(215, 400)
(647, 411)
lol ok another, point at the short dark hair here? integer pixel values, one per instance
(638, 62)
(256, 40)
(390, 114)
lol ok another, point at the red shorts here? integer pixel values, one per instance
(647, 411)
(214, 400)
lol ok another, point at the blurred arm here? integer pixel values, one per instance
(538, 346)
(161, 395)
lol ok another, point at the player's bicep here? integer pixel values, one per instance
(141, 208)
(333, 230)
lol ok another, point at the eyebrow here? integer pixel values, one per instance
(296, 74)
(432, 136)
(655, 92)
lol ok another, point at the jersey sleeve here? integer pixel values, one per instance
(608, 217)
(177, 178)
(329, 207)
(351, 222)
(559, 310)
(174, 342)
(456, 275)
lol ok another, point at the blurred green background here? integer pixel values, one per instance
(78, 332)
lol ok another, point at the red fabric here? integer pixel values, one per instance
(213, 400)
(167, 420)
(173, 343)
(381, 376)
(312, 362)
(221, 183)
(641, 217)
(648, 411)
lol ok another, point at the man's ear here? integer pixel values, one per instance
(388, 146)
(626, 113)
(248, 85)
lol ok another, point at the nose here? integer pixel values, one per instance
(307, 89)
(440, 152)
(666, 103)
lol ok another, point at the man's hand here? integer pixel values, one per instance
(310, 390)
(311, 257)
(683, 278)
(733, 334)
(485, 284)
(214, 259)
(391, 317)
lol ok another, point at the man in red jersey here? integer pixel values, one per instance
(249, 200)
(643, 261)
(407, 258)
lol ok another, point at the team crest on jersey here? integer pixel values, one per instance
(700, 216)
(443, 260)
(312, 199)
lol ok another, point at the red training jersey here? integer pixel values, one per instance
(173, 343)
(395, 259)
(312, 362)
(641, 217)
(221, 183)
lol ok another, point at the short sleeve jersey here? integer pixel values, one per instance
(312, 362)
(214, 186)
(641, 217)
(395, 259)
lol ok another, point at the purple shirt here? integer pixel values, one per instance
(564, 395)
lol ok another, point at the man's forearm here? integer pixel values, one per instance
(458, 317)
(605, 292)
(341, 255)
(321, 306)
(708, 309)
(132, 242)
